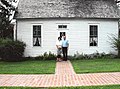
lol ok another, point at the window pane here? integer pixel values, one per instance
(37, 35)
(95, 32)
(62, 34)
(36, 41)
(95, 27)
(93, 35)
(91, 32)
(34, 27)
(93, 41)
(34, 32)
(59, 26)
(62, 26)
(39, 28)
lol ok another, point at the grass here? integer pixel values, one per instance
(96, 65)
(28, 67)
(81, 87)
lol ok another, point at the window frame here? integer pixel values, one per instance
(37, 33)
(66, 30)
(94, 36)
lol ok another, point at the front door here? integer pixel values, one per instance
(62, 31)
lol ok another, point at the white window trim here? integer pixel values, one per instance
(41, 24)
(98, 25)
(62, 24)
(63, 29)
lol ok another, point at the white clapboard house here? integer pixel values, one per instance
(87, 24)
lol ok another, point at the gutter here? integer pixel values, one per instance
(44, 18)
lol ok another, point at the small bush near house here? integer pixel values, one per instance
(11, 50)
(96, 55)
(46, 56)
(116, 44)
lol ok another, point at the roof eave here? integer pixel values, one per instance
(70, 18)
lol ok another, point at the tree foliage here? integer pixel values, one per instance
(6, 9)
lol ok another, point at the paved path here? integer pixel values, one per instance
(64, 68)
(64, 76)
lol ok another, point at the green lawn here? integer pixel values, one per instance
(28, 67)
(96, 65)
(82, 87)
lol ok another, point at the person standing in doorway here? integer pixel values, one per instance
(65, 46)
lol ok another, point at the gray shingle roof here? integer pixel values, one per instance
(67, 8)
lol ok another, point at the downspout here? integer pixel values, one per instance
(15, 31)
(15, 4)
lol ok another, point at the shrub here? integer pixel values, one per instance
(11, 50)
(46, 56)
(116, 43)
(96, 55)
(78, 56)
(3, 42)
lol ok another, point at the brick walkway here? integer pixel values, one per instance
(64, 76)
(64, 68)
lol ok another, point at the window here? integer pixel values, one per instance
(62, 26)
(36, 35)
(93, 35)
(62, 34)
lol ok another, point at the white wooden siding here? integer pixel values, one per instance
(78, 35)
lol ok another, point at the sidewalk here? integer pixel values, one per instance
(64, 76)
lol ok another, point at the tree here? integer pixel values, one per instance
(6, 9)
